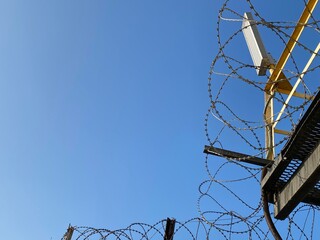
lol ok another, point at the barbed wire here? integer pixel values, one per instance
(194, 229)
(233, 187)
(230, 203)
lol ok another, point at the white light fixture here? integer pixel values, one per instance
(255, 45)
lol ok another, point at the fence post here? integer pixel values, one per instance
(169, 229)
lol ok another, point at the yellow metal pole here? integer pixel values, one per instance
(269, 130)
(296, 84)
(276, 72)
(307, 12)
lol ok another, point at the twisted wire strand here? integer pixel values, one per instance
(229, 204)
(223, 122)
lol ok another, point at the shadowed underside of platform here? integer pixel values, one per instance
(294, 176)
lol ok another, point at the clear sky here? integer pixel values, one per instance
(102, 110)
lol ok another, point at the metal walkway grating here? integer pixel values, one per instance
(296, 151)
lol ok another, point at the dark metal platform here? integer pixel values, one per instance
(294, 176)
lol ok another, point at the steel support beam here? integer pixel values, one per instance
(296, 189)
(269, 130)
(296, 94)
(307, 12)
(280, 131)
(296, 84)
(237, 156)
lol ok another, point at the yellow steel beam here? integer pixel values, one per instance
(282, 82)
(278, 75)
(283, 132)
(269, 130)
(307, 12)
(284, 86)
(296, 94)
(296, 84)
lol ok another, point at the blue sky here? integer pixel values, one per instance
(102, 112)
(103, 106)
